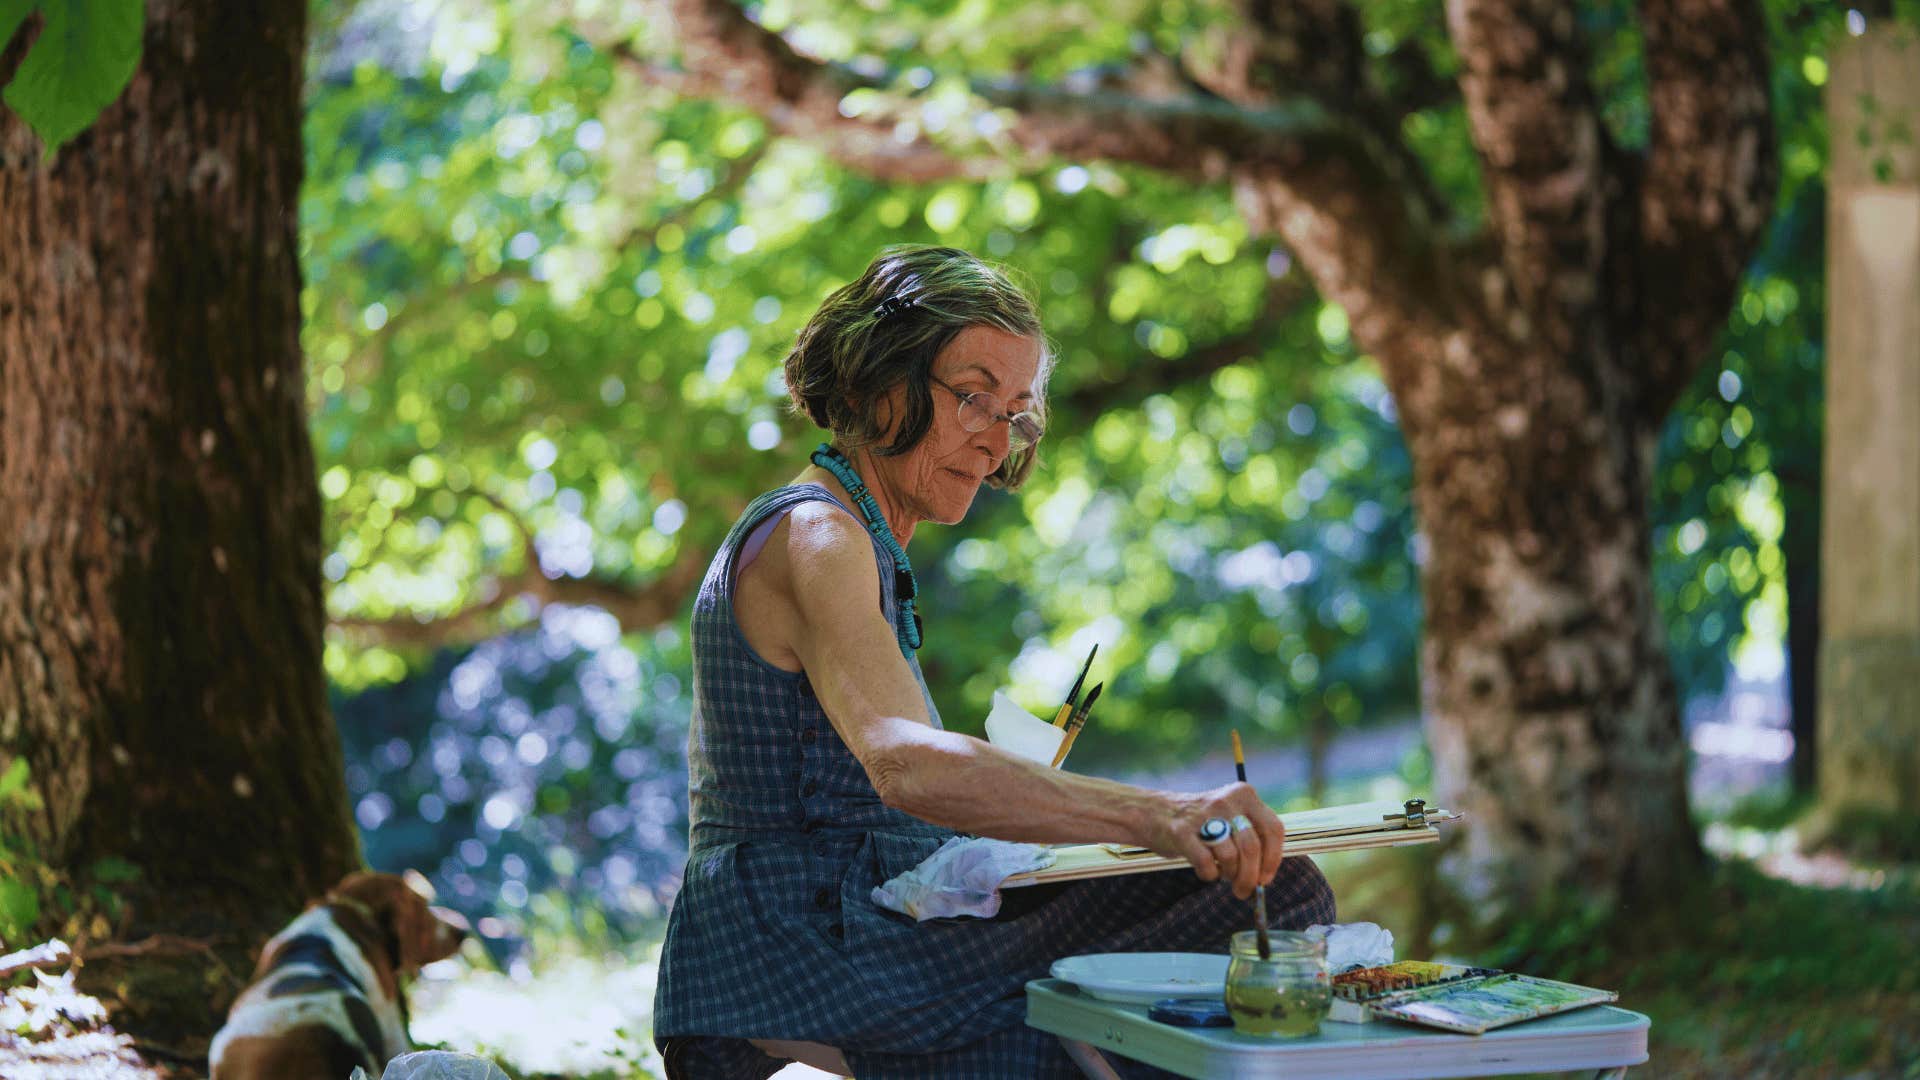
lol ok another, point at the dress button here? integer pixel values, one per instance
(838, 931)
(823, 899)
(812, 826)
(808, 735)
(820, 846)
(807, 789)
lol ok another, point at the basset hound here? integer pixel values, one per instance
(326, 995)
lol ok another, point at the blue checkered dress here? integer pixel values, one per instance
(774, 934)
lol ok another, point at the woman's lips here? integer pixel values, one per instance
(967, 476)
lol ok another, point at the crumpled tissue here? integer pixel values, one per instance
(1354, 945)
(961, 877)
(437, 1065)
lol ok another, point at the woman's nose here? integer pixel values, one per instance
(997, 440)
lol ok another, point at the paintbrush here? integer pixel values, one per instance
(1074, 725)
(1066, 707)
(1259, 891)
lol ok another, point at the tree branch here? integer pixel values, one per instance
(1348, 196)
(373, 348)
(726, 55)
(53, 953)
(1286, 47)
(1710, 180)
(637, 607)
(1544, 156)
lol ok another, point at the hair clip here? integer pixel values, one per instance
(894, 305)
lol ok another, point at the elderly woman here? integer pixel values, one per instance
(819, 767)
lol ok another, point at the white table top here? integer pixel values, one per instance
(1596, 1037)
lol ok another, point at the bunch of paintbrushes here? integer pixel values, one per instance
(1261, 939)
(1071, 716)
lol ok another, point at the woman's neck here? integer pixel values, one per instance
(900, 520)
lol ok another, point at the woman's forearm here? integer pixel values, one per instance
(971, 785)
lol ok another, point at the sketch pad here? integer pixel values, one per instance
(1351, 827)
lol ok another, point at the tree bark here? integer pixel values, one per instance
(1551, 709)
(160, 604)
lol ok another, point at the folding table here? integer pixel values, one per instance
(1600, 1039)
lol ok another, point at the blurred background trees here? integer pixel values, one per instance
(554, 262)
(553, 255)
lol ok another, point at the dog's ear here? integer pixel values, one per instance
(414, 932)
(427, 933)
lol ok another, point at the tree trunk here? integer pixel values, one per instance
(160, 604)
(1319, 747)
(1552, 713)
(1869, 742)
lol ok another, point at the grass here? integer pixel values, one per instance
(1744, 974)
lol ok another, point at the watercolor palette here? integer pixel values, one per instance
(1454, 998)
(1354, 990)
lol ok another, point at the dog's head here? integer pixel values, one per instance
(411, 932)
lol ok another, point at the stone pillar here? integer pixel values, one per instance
(1869, 757)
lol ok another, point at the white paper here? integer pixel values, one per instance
(1013, 728)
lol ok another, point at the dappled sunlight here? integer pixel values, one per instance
(568, 1014)
(1777, 853)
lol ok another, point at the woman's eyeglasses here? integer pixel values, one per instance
(980, 411)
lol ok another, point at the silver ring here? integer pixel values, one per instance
(1241, 823)
(1213, 830)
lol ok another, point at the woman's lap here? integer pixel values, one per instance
(1170, 911)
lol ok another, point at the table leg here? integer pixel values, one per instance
(1089, 1059)
(1618, 1072)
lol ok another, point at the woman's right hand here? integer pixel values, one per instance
(1247, 858)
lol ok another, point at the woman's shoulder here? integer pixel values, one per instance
(824, 538)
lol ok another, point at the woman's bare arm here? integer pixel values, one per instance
(822, 572)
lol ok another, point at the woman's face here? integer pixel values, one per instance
(938, 478)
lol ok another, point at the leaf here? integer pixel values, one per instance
(15, 777)
(87, 52)
(19, 907)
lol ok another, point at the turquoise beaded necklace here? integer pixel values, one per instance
(906, 623)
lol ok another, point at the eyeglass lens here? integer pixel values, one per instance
(976, 414)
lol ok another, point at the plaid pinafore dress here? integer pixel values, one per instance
(774, 933)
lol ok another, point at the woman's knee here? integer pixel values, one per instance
(705, 1057)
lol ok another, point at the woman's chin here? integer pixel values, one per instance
(955, 510)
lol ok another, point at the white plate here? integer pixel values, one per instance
(1146, 977)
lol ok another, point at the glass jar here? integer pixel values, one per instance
(1284, 996)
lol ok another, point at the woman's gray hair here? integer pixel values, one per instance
(886, 327)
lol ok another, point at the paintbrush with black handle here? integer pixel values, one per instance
(1259, 891)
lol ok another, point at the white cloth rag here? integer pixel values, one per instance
(962, 877)
(1354, 945)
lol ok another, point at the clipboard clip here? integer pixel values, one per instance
(1413, 817)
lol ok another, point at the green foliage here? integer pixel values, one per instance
(86, 53)
(38, 899)
(22, 874)
(543, 294)
(567, 299)
(1743, 974)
